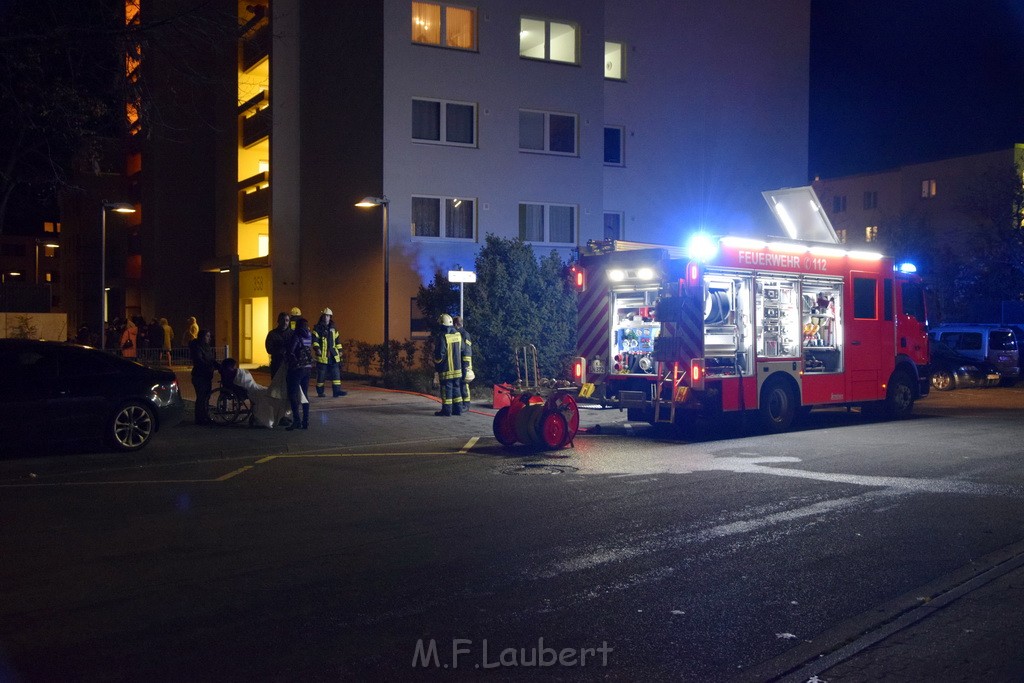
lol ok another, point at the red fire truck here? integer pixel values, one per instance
(739, 324)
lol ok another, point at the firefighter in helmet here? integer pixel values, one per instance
(327, 354)
(448, 364)
(295, 314)
(467, 362)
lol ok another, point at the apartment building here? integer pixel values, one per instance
(938, 194)
(558, 122)
(941, 215)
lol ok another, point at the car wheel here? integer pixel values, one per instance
(899, 397)
(778, 406)
(132, 427)
(942, 380)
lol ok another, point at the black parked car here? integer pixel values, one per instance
(953, 370)
(52, 392)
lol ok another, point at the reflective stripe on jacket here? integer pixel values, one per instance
(326, 345)
(448, 355)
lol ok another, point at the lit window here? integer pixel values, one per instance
(262, 244)
(444, 25)
(551, 41)
(614, 61)
(452, 123)
(841, 234)
(612, 225)
(554, 223)
(542, 131)
(613, 136)
(448, 217)
(49, 226)
(871, 233)
(928, 189)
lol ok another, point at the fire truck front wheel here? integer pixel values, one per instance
(778, 405)
(899, 397)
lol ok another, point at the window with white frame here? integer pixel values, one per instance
(548, 132)
(444, 25)
(555, 223)
(444, 217)
(841, 235)
(613, 152)
(551, 41)
(613, 225)
(449, 123)
(928, 188)
(614, 61)
(871, 233)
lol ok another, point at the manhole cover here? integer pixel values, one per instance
(537, 468)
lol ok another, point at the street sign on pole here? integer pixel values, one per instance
(462, 277)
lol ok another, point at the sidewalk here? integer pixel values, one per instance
(363, 392)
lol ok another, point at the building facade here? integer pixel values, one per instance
(557, 122)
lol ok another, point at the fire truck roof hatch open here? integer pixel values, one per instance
(801, 215)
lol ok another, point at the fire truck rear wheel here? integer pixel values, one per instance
(899, 397)
(778, 406)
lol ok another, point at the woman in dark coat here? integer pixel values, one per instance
(204, 362)
(300, 362)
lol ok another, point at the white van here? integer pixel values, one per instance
(997, 345)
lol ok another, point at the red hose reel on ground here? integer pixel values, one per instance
(531, 420)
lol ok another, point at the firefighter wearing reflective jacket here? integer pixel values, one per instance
(467, 362)
(448, 364)
(327, 354)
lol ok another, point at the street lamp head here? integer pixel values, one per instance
(367, 202)
(119, 207)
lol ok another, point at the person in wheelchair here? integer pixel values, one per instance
(270, 405)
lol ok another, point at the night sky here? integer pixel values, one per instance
(896, 82)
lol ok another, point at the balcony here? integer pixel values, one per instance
(254, 119)
(254, 197)
(255, 45)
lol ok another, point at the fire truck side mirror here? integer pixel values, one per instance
(578, 277)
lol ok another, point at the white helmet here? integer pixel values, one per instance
(327, 311)
(445, 320)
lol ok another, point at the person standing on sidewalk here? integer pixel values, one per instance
(129, 339)
(191, 331)
(327, 354)
(300, 362)
(448, 365)
(467, 362)
(277, 343)
(168, 340)
(204, 363)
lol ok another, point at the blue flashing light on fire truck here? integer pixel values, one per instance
(741, 324)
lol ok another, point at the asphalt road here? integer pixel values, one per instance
(385, 543)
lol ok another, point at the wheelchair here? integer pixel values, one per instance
(228, 405)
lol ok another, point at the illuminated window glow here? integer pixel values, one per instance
(550, 41)
(614, 64)
(444, 25)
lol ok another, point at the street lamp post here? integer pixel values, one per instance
(382, 202)
(117, 207)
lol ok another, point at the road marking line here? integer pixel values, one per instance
(470, 444)
(236, 472)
